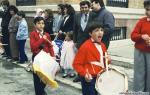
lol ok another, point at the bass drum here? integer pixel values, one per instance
(111, 82)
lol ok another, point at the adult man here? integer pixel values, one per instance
(81, 22)
(4, 24)
(105, 18)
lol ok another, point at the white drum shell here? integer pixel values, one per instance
(111, 82)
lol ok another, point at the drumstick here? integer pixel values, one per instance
(87, 71)
(106, 60)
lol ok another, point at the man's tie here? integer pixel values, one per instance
(85, 20)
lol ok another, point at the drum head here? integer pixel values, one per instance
(112, 82)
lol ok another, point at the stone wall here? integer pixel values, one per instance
(132, 3)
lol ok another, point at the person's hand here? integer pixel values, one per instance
(145, 37)
(148, 42)
(44, 37)
(88, 77)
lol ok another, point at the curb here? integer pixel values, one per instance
(123, 62)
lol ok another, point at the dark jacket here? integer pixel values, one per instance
(5, 15)
(106, 19)
(48, 26)
(79, 36)
(68, 25)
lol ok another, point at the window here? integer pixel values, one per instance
(119, 33)
(118, 3)
(25, 2)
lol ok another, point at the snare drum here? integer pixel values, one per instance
(111, 82)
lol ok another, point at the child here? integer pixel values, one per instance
(39, 39)
(22, 35)
(89, 60)
(67, 55)
(141, 36)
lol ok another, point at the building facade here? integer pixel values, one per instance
(126, 12)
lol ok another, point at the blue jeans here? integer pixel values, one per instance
(88, 88)
(22, 55)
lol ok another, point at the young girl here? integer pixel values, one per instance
(67, 55)
(22, 35)
(39, 39)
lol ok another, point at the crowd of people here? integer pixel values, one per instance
(84, 37)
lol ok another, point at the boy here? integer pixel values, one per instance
(39, 39)
(141, 36)
(89, 60)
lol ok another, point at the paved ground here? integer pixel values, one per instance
(121, 53)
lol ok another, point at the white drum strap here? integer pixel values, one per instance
(101, 63)
(99, 48)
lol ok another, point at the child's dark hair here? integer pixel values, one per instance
(93, 25)
(37, 19)
(21, 13)
(146, 3)
(70, 35)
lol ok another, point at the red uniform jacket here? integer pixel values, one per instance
(36, 41)
(86, 54)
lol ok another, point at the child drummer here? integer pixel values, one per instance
(89, 60)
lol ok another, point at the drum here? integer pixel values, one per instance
(111, 82)
(46, 68)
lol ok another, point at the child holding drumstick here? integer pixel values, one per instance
(89, 60)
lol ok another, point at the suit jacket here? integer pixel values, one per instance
(68, 25)
(79, 36)
(86, 54)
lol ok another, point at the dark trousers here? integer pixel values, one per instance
(38, 84)
(88, 88)
(22, 55)
(5, 40)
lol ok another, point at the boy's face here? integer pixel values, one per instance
(40, 25)
(97, 34)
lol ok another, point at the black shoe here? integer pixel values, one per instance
(3, 54)
(64, 75)
(77, 79)
(72, 75)
(8, 57)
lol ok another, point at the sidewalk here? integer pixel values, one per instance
(120, 51)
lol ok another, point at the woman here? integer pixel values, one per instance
(22, 35)
(13, 27)
(48, 17)
(68, 21)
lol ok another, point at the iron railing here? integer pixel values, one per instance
(119, 33)
(25, 2)
(118, 3)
